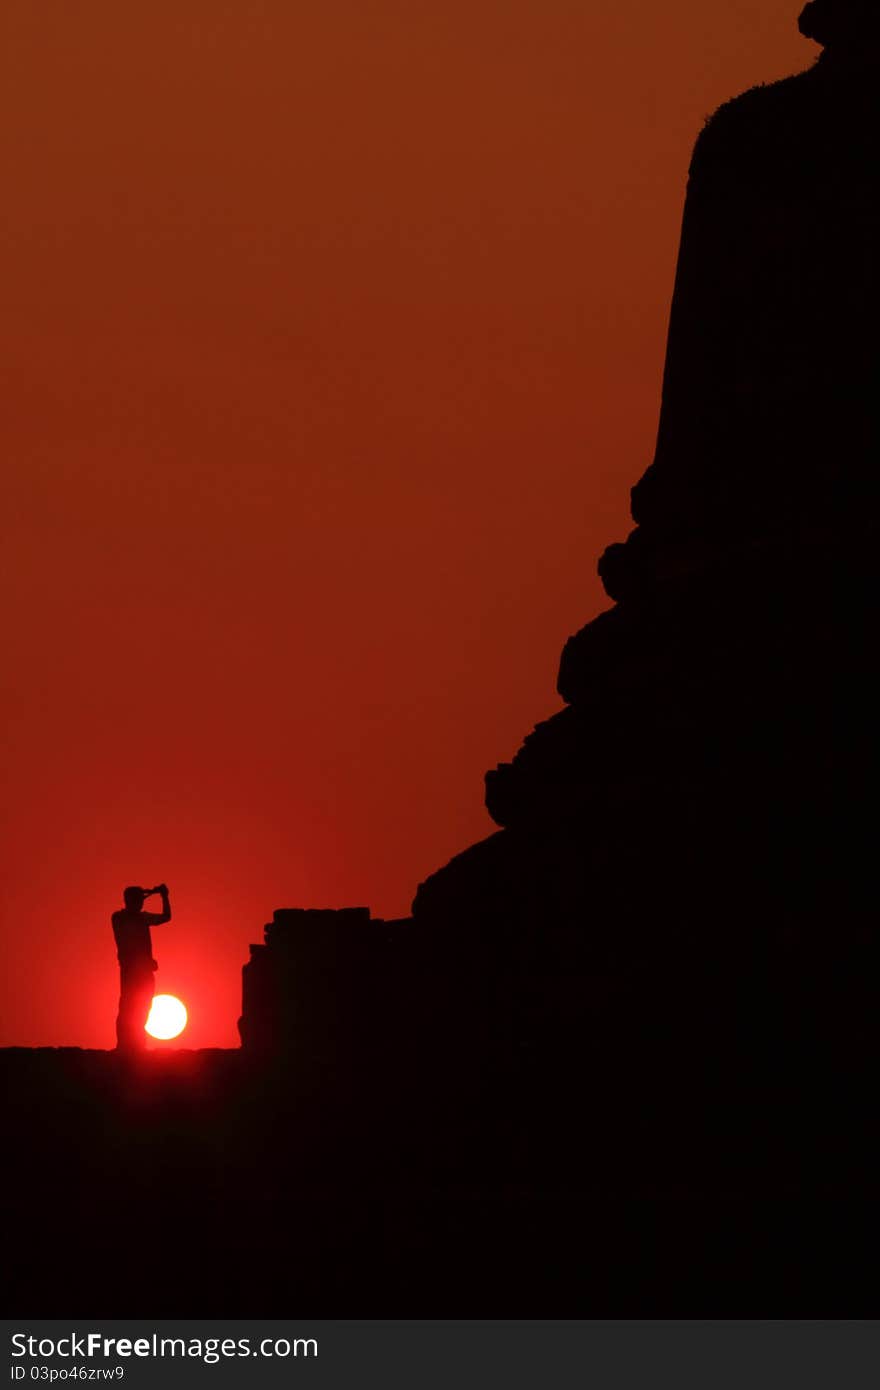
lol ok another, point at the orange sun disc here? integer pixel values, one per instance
(167, 1017)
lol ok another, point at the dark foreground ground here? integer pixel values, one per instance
(202, 1183)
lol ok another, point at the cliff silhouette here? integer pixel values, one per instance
(620, 1060)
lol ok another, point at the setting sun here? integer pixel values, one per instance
(167, 1017)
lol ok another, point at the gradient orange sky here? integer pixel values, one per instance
(332, 340)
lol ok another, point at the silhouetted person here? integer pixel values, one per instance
(134, 947)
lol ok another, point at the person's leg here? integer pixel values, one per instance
(123, 1016)
(135, 997)
(144, 1003)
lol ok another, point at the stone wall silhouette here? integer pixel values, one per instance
(322, 981)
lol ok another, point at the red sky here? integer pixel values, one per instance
(332, 340)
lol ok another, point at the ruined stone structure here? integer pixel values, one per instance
(319, 980)
(709, 779)
(680, 899)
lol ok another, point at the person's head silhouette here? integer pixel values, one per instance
(133, 898)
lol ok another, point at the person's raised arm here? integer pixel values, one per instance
(157, 918)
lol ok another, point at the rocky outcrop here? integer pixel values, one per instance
(681, 898)
(663, 962)
(720, 725)
(319, 980)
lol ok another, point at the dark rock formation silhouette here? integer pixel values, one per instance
(683, 883)
(843, 23)
(695, 828)
(660, 974)
(621, 1060)
(323, 983)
